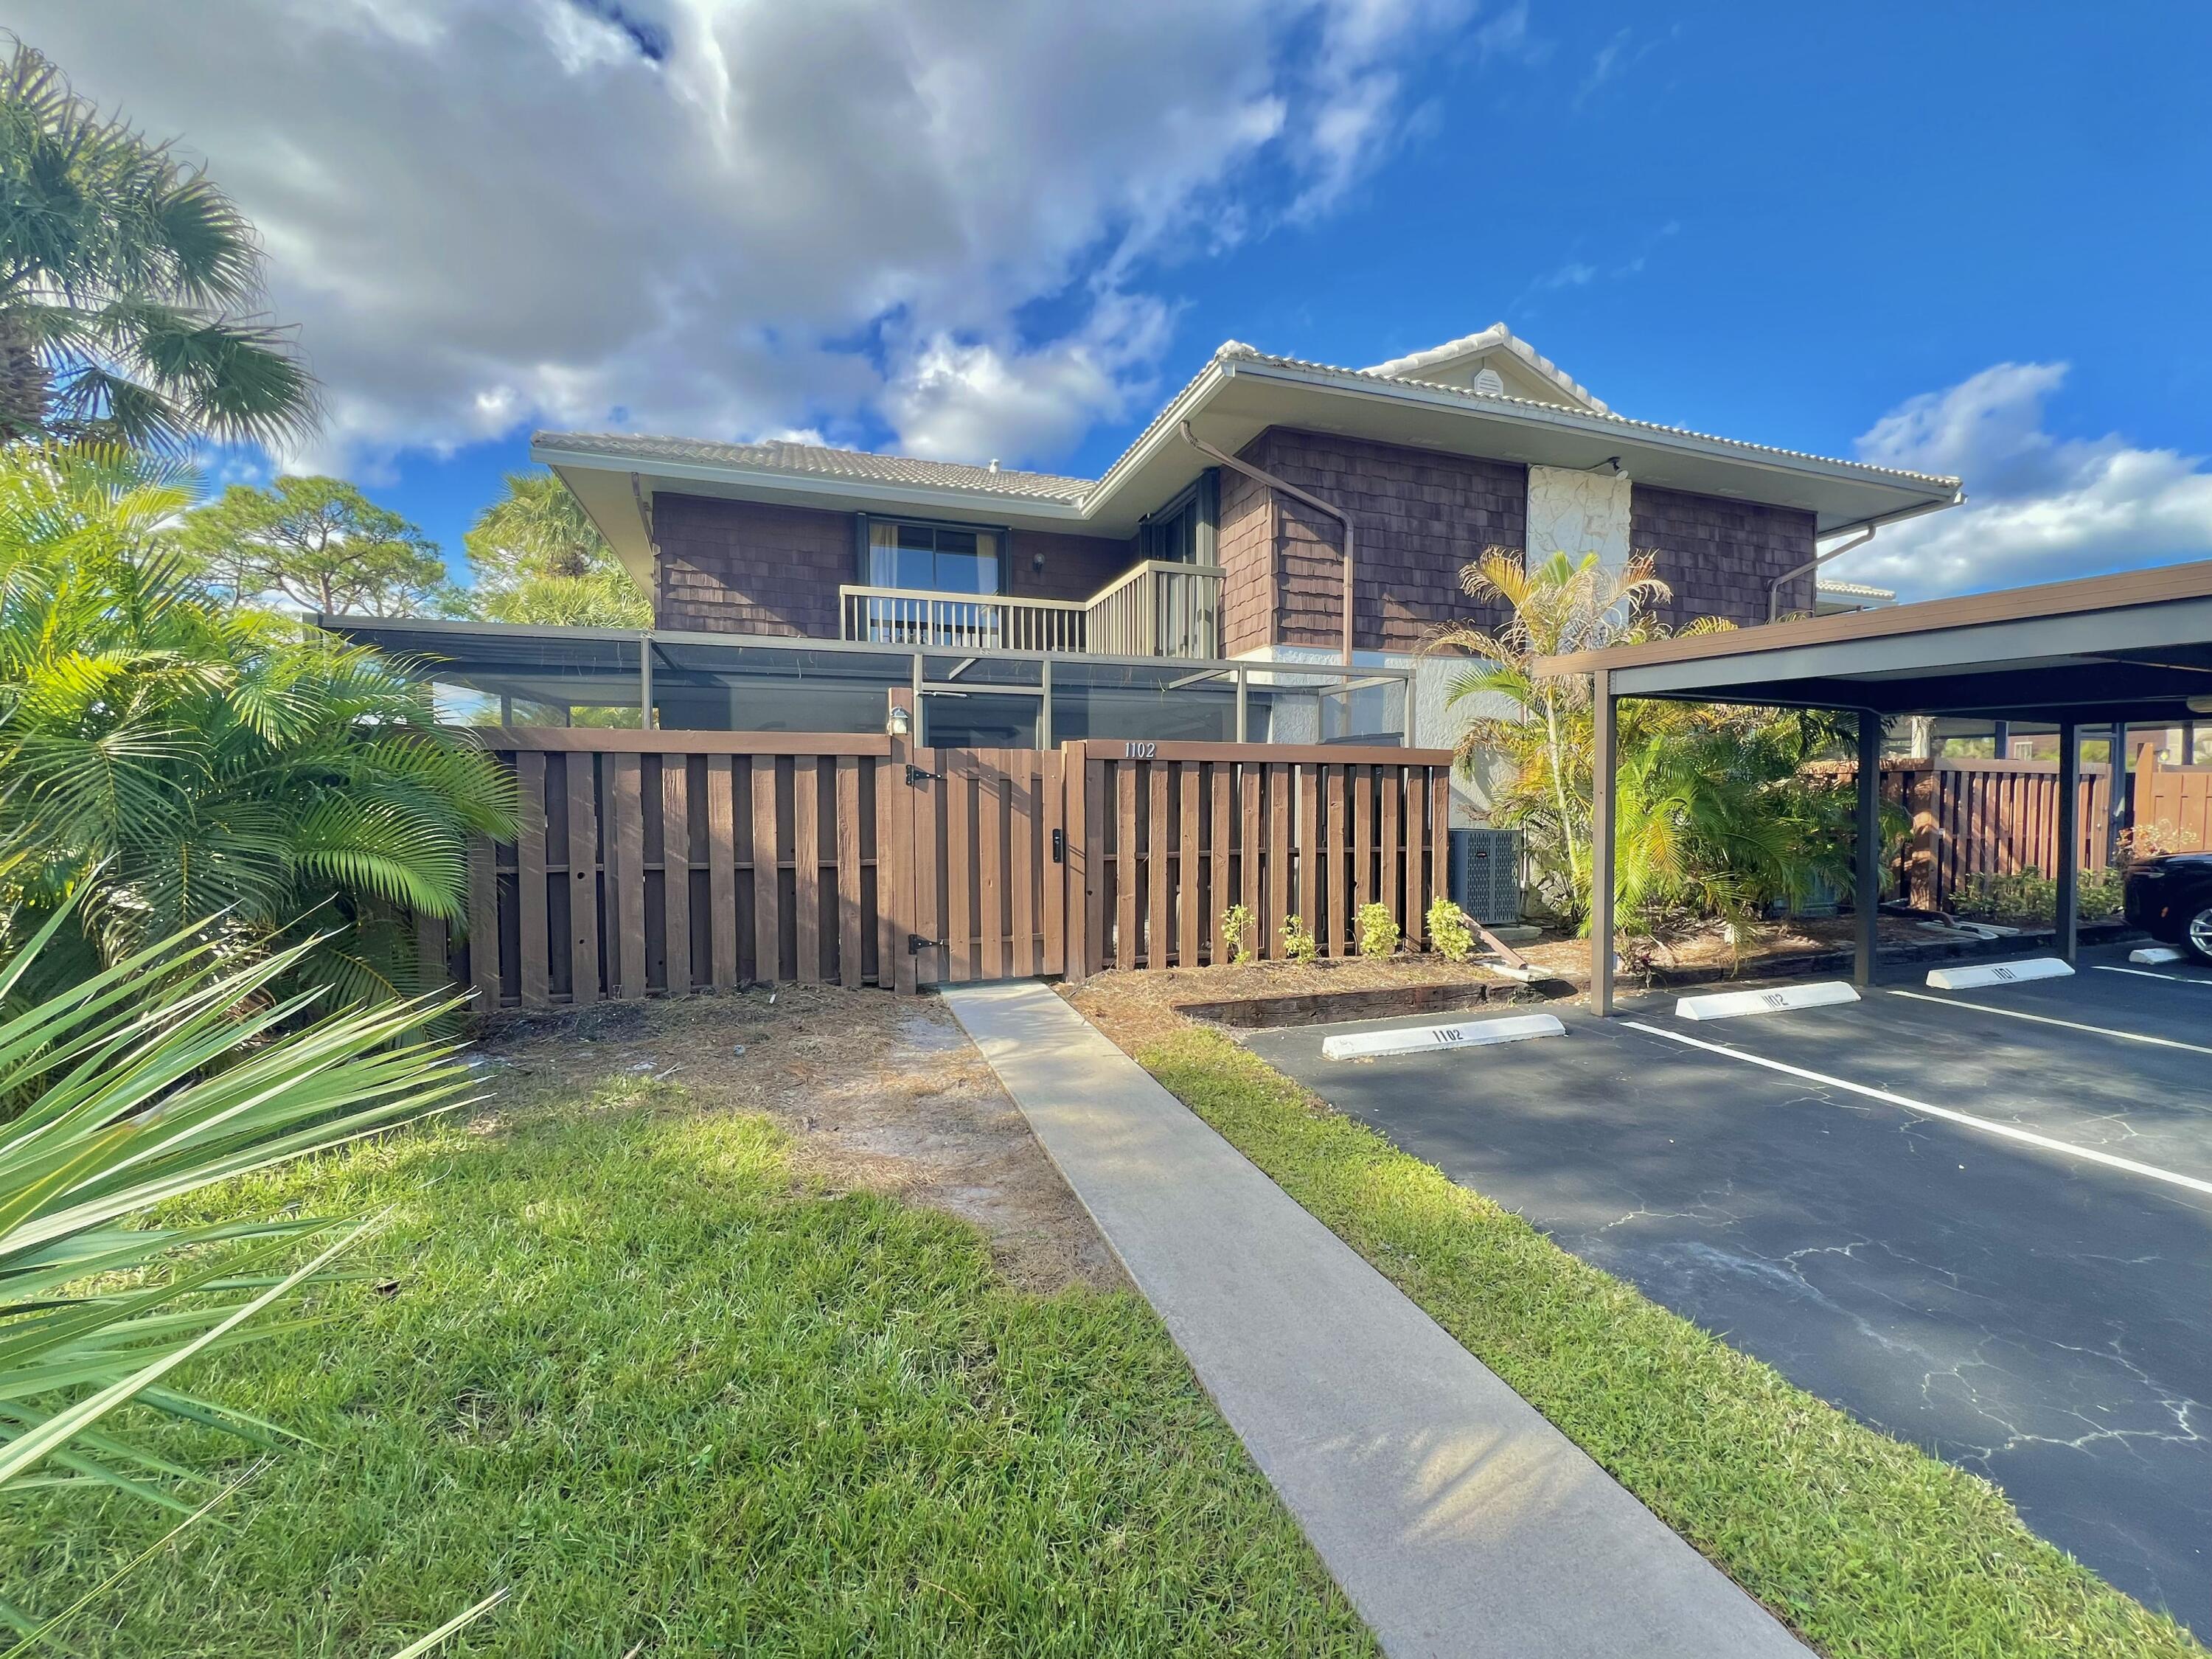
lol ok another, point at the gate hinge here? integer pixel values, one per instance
(915, 775)
(915, 943)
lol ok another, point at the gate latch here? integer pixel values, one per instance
(915, 943)
(915, 775)
(1059, 846)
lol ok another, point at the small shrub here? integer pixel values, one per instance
(2029, 893)
(1450, 931)
(1299, 944)
(1237, 924)
(2150, 840)
(1378, 931)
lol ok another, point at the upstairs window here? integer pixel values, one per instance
(936, 558)
(1182, 533)
(1173, 535)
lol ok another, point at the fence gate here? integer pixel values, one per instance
(979, 875)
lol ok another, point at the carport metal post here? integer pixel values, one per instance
(1866, 886)
(2070, 836)
(1604, 766)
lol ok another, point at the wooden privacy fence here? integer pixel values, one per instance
(2176, 800)
(1997, 817)
(670, 862)
(1164, 837)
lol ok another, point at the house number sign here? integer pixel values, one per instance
(1141, 751)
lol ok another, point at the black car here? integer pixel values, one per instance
(2170, 898)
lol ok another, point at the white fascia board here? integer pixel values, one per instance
(1166, 430)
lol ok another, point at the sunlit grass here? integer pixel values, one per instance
(612, 1358)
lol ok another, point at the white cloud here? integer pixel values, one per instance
(1620, 53)
(2039, 508)
(725, 217)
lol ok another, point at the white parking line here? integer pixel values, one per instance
(2145, 973)
(2009, 1132)
(2046, 1019)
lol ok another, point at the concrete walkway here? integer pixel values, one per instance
(1457, 1519)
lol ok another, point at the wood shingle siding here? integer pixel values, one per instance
(1421, 516)
(1719, 557)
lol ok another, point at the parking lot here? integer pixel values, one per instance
(1981, 1220)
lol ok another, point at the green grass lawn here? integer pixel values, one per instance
(1866, 1545)
(613, 1358)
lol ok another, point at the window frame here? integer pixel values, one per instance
(1201, 497)
(864, 523)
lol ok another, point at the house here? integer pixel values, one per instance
(1197, 590)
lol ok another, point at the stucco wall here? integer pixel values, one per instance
(1574, 512)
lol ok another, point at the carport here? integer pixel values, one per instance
(2107, 650)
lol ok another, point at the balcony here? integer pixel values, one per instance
(1156, 609)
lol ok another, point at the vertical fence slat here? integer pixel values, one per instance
(1159, 858)
(848, 870)
(806, 866)
(1218, 896)
(1127, 869)
(1336, 885)
(1413, 789)
(627, 870)
(1278, 806)
(895, 877)
(1251, 867)
(1022, 821)
(960, 864)
(768, 914)
(676, 870)
(583, 880)
(1360, 781)
(534, 940)
(1309, 834)
(1060, 813)
(1390, 784)
(722, 872)
(1439, 833)
(1190, 780)
(483, 926)
(990, 863)
(932, 861)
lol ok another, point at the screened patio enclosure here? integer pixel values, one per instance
(491, 673)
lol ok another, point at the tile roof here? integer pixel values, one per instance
(1234, 351)
(1856, 590)
(817, 460)
(1407, 367)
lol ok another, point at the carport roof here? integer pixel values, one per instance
(2134, 647)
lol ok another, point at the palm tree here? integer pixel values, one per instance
(538, 557)
(183, 759)
(1555, 607)
(129, 286)
(1714, 820)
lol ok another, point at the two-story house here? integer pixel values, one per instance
(1197, 590)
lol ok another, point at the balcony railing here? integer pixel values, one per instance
(1156, 609)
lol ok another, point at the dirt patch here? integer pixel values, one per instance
(881, 1094)
(1133, 1008)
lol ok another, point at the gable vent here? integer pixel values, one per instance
(1490, 384)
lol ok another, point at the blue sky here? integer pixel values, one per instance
(1970, 238)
